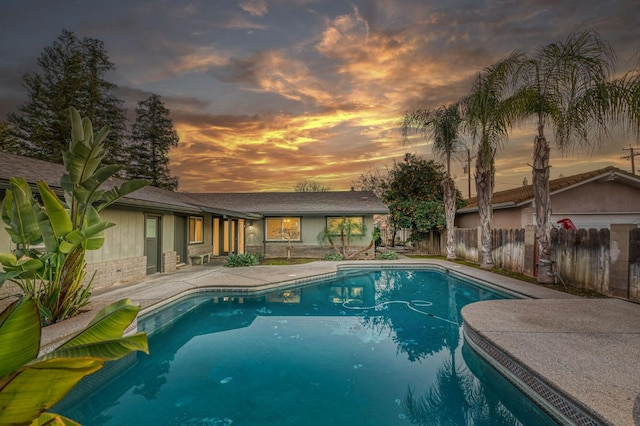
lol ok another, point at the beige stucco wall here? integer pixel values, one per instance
(592, 205)
(597, 197)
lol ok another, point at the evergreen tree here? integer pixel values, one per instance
(8, 142)
(152, 136)
(72, 73)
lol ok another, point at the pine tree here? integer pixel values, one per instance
(8, 142)
(72, 74)
(152, 136)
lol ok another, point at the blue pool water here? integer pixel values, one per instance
(367, 348)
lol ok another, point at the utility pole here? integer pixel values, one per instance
(467, 170)
(631, 156)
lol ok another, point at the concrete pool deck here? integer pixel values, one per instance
(586, 350)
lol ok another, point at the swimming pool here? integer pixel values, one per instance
(370, 347)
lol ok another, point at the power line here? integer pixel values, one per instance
(631, 157)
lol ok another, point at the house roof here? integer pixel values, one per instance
(524, 194)
(244, 205)
(37, 170)
(296, 203)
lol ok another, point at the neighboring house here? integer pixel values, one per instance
(593, 199)
(158, 230)
(289, 223)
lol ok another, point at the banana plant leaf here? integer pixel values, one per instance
(56, 212)
(37, 387)
(29, 386)
(20, 213)
(52, 419)
(19, 334)
(91, 238)
(109, 323)
(114, 194)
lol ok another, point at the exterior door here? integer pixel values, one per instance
(152, 243)
(181, 238)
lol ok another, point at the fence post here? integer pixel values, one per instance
(619, 256)
(529, 250)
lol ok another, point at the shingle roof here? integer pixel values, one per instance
(290, 203)
(245, 205)
(524, 194)
(37, 170)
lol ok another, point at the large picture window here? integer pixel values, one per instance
(283, 229)
(352, 225)
(195, 229)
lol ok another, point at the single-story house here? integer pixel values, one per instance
(158, 230)
(289, 223)
(594, 199)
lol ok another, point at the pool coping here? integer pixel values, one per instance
(158, 290)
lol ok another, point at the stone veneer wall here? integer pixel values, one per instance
(119, 271)
(169, 261)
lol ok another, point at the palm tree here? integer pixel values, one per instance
(443, 126)
(486, 120)
(567, 85)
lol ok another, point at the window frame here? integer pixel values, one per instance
(282, 220)
(196, 220)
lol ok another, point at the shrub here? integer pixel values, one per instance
(388, 255)
(332, 256)
(243, 259)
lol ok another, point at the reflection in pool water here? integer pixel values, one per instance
(367, 348)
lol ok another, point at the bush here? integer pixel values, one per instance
(388, 255)
(332, 256)
(244, 259)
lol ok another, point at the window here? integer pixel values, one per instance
(195, 229)
(283, 229)
(350, 225)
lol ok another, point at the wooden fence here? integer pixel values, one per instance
(583, 258)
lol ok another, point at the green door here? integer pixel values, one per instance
(181, 238)
(152, 243)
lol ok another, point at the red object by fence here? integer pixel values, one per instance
(566, 223)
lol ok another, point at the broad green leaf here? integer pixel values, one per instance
(77, 132)
(56, 211)
(8, 276)
(107, 350)
(80, 237)
(48, 236)
(110, 323)
(23, 219)
(6, 207)
(19, 334)
(8, 259)
(114, 194)
(52, 419)
(37, 387)
(92, 221)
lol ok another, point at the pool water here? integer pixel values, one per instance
(381, 347)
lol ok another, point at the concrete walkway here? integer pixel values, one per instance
(586, 350)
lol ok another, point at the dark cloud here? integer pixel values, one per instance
(265, 94)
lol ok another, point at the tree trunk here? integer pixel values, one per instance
(449, 190)
(484, 189)
(541, 200)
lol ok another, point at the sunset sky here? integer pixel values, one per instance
(265, 94)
